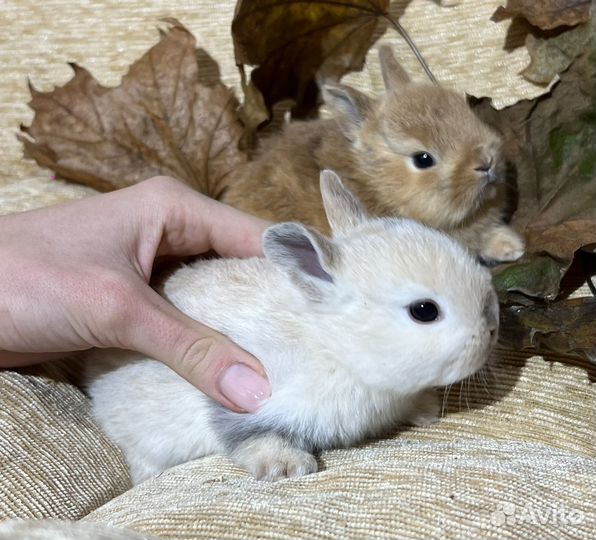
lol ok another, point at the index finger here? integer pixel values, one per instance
(193, 223)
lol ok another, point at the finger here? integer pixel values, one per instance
(202, 224)
(233, 233)
(192, 223)
(205, 358)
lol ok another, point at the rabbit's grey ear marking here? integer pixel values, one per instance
(349, 102)
(343, 209)
(306, 255)
(394, 75)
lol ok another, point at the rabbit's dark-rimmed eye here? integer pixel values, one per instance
(424, 311)
(423, 160)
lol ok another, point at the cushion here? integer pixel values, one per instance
(397, 488)
(54, 461)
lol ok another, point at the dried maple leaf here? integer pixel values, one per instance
(293, 42)
(159, 121)
(547, 14)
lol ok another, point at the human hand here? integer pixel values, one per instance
(75, 276)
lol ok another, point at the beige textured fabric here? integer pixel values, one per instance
(525, 452)
(54, 461)
(32, 193)
(63, 530)
(392, 489)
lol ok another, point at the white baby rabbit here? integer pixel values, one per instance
(354, 331)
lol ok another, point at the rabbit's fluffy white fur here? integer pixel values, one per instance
(330, 321)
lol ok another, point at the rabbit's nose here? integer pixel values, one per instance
(488, 171)
(491, 312)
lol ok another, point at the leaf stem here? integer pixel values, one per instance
(402, 31)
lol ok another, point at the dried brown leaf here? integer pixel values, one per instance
(253, 112)
(555, 239)
(565, 327)
(552, 55)
(552, 143)
(294, 42)
(159, 121)
(547, 14)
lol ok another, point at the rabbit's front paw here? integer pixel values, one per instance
(270, 458)
(426, 409)
(503, 245)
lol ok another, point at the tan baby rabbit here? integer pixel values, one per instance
(418, 152)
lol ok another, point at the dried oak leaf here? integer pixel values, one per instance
(159, 121)
(552, 55)
(547, 14)
(552, 143)
(295, 42)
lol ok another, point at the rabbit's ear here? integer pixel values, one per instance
(344, 210)
(349, 102)
(394, 75)
(306, 255)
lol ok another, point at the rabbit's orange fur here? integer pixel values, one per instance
(369, 144)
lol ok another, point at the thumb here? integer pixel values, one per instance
(204, 357)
